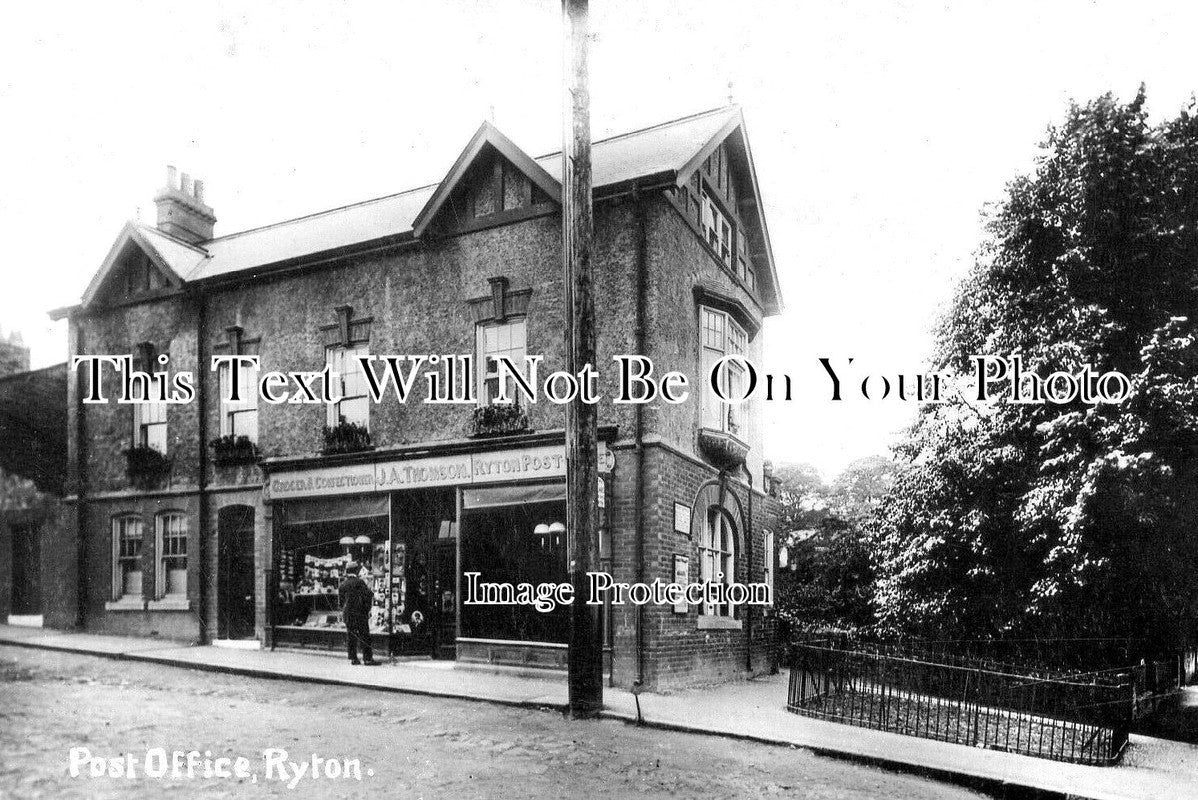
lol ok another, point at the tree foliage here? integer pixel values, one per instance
(1065, 519)
(829, 583)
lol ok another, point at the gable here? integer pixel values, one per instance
(492, 190)
(492, 182)
(717, 191)
(133, 270)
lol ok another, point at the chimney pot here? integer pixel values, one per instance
(181, 209)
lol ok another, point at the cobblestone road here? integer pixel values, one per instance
(415, 747)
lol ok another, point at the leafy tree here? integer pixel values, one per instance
(830, 580)
(1065, 519)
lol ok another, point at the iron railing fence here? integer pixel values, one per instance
(1082, 718)
(1156, 675)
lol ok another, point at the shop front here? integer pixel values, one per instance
(417, 525)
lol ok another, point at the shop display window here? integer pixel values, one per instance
(319, 539)
(521, 541)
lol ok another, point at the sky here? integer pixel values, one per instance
(880, 132)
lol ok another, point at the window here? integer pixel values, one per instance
(508, 339)
(717, 557)
(126, 557)
(171, 546)
(744, 264)
(149, 423)
(717, 229)
(350, 385)
(239, 418)
(720, 336)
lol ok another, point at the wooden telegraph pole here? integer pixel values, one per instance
(582, 475)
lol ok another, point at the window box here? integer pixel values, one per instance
(499, 419)
(346, 437)
(722, 448)
(230, 449)
(146, 467)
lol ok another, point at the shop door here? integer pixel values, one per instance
(26, 569)
(235, 581)
(445, 598)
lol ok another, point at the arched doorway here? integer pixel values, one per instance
(235, 573)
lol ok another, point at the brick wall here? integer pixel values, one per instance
(182, 625)
(678, 652)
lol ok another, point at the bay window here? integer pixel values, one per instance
(720, 335)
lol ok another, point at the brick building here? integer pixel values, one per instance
(227, 522)
(32, 467)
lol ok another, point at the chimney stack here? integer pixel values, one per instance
(182, 212)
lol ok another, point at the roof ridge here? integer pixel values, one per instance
(613, 137)
(322, 212)
(648, 128)
(141, 226)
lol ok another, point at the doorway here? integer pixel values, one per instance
(235, 573)
(26, 571)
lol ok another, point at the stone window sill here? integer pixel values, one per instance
(708, 622)
(169, 604)
(126, 604)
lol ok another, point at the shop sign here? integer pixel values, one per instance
(498, 466)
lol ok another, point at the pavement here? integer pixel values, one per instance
(748, 710)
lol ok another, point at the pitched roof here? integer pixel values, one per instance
(672, 149)
(667, 147)
(317, 233)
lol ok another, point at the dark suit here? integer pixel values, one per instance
(356, 601)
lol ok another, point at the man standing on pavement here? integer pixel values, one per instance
(356, 601)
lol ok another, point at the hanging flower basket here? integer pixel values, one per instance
(146, 467)
(499, 420)
(234, 450)
(346, 437)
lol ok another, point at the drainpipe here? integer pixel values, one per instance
(642, 280)
(202, 482)
(80, 481)
(749, 575)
